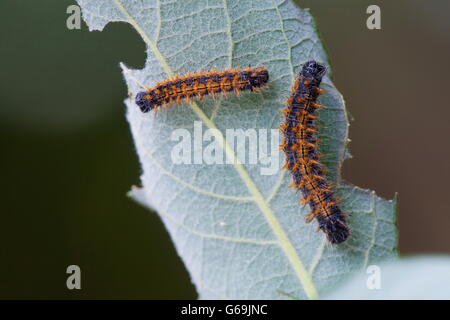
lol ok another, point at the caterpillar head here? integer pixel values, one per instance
(313, 70)
(146, 101)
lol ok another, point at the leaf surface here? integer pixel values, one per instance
(418, 278)
(241, 233)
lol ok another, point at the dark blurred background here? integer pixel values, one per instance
(68, 158)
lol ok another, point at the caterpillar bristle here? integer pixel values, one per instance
(198, 85)
(300, 144)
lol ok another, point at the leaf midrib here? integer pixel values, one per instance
(283, 240)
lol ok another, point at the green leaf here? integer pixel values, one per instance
(416, 278)
(241, 234)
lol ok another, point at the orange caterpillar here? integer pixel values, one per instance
(200, 84)
(302, 157)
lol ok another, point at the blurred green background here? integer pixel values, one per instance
(68, 158)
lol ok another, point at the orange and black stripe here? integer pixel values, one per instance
(200, 84)
(300, 145)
